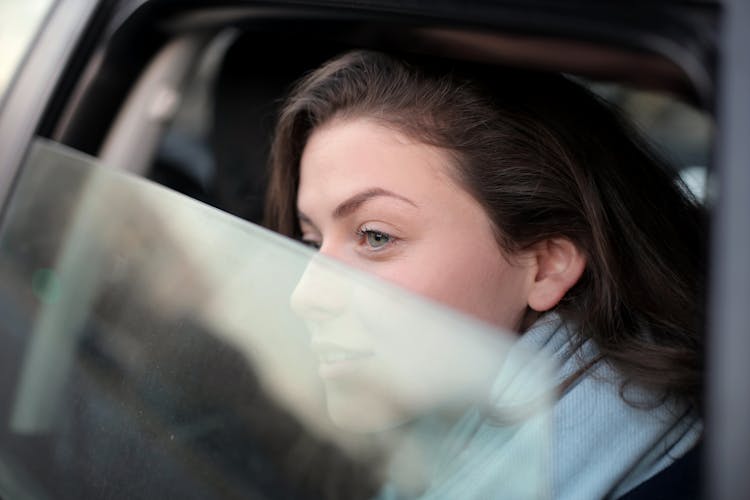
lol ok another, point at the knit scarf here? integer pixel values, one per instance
(530, 441)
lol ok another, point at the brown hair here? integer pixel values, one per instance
(546, 158)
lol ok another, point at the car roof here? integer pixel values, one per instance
(668, 44)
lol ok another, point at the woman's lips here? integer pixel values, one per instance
(337, 360)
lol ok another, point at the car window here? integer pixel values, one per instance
(682, 134)
(215, 146)
(154, 347)
(19, 22)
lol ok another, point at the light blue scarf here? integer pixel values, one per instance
(590, 445)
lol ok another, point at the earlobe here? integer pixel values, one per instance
(559, 266)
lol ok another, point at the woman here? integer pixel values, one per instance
(523, 200)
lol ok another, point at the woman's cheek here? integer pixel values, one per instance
(427, 274)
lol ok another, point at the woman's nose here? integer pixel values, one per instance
(323, 291)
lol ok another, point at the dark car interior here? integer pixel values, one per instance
(264, 51)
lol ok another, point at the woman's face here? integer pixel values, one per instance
(381, 202)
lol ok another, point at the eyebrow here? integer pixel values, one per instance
(351, 204)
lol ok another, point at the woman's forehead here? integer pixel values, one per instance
(347, 156)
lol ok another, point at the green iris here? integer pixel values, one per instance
(377, 239)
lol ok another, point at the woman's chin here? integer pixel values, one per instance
(362, 413)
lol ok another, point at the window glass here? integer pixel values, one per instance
(154, 347)
(19, 22)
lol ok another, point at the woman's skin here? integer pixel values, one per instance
(372, 198)
(378, 201)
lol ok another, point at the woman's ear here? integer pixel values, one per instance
(559, 266)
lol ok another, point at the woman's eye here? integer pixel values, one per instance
(311, 243)
(376, 239)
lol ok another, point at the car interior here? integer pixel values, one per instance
(204, 105)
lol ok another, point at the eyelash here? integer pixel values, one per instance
(315, 245)
(364, 231)
(362, 234)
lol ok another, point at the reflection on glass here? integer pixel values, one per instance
(161, 348)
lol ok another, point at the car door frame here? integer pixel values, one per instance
(728, 367)
(37, 78)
